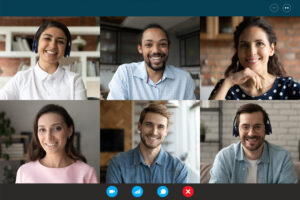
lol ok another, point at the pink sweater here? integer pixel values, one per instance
(35, 172)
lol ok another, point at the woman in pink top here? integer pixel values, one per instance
(53, 158)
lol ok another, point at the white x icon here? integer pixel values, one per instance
(188, 191)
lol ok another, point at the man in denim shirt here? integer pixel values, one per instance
(252, 160)
(148, 162)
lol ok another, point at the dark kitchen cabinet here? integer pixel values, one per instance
(190, 49)
(118, 45)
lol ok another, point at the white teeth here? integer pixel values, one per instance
(50, 52)
(156, 58)
(253, 60)
(152, 138)
(50, 145)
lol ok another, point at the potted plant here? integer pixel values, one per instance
(203, 130)
(80, 47)
(6, 132)
(79, 42)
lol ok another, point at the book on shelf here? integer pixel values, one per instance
(20, 44)
(97, 66)
(93, 68)
(15, 46)
(14, 145)
(12, 150)
(98, 47)
(77, 67)
(25, 44)
(73, 67)
(91, 71)
(16, 150)
(14, 154)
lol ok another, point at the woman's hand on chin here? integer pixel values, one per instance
(241, 77)
(238, 78)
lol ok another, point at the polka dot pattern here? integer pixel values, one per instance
(284, 88)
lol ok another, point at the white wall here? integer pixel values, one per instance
(86, 116)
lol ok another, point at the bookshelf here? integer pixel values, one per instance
(92, 83)
(25, 142)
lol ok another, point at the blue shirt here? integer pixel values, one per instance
(284, 88)
(129, 167)
(274, 166)
(131, 82)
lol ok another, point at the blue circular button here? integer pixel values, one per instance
(137, 191)
(162, 191)
(112, 191)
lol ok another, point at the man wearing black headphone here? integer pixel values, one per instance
(253, 159)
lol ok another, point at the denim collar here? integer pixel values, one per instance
(265, 158)
(138, 158)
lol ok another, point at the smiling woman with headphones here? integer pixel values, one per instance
(47, 79)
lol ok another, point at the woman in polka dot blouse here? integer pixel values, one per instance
(255, 72)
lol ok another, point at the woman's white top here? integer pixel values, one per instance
(36, 84)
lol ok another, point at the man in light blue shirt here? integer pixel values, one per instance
(151, 79)
(148, 162)
(252, 160)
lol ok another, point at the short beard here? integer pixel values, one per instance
(146, 145)
(253, 149)
(162, 68)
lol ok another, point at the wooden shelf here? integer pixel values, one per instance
(15, 159)
(92, 78)
(213, 31)
(16, 137)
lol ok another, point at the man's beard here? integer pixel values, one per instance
(162, 68)
(146, 145)
(253, 148)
